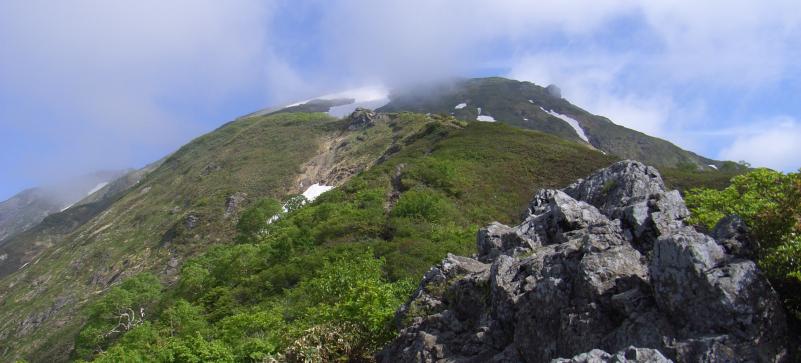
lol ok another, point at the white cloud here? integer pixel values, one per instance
(591, 83)
(704, 48)
(734, 43)
(102, 78)
(774, 144)
(418, 39)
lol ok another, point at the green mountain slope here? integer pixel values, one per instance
(424, 199)
(189, 202)
(193, 200)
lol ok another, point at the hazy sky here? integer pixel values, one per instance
(87, 85)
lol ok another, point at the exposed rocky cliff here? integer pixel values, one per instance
(604, 270)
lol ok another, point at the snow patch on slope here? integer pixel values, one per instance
(460, 106)
(713, 166)
(315, 190)
(485, 118)
(570, 121)
(311, 193)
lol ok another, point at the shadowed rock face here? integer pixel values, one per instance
(604, 265)
(361, 118)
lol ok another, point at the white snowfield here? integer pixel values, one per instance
(460, 106)
(314, 191)
(713, 166)
(96, 188)
(570, 121)
(485, 118)
(311, 193)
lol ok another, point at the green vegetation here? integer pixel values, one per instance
(146, 226)
(205, 321)
(121, 309)
(251, 222)
(770, 204)
(322, 283)
(684, 180)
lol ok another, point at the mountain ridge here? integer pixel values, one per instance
(391, 170)
(179, 209)
(519, 103)
(27, 208)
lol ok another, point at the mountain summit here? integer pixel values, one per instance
(521, 104)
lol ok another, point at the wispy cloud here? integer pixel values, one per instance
(773, 143)
(91, 84)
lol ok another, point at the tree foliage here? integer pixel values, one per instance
(254, 218)
(122, 309)
(767, 200)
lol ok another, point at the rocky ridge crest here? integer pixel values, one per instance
(604, 265)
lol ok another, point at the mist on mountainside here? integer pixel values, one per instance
(29, 207)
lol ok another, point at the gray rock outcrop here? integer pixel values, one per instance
(233, 202)
(604, 265)
(554, 91)
(361, 118)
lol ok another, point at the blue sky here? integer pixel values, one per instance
(88, 85)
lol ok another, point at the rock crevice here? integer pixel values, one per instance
(604, 270)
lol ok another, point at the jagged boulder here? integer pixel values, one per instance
(604, 265)
(361, 118)
(732, 233)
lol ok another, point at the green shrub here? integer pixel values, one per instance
(351, 291)
(256, 218)
(435, 173)
(767, 200)
(782, 265)
(423, 204)
(121, 309)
